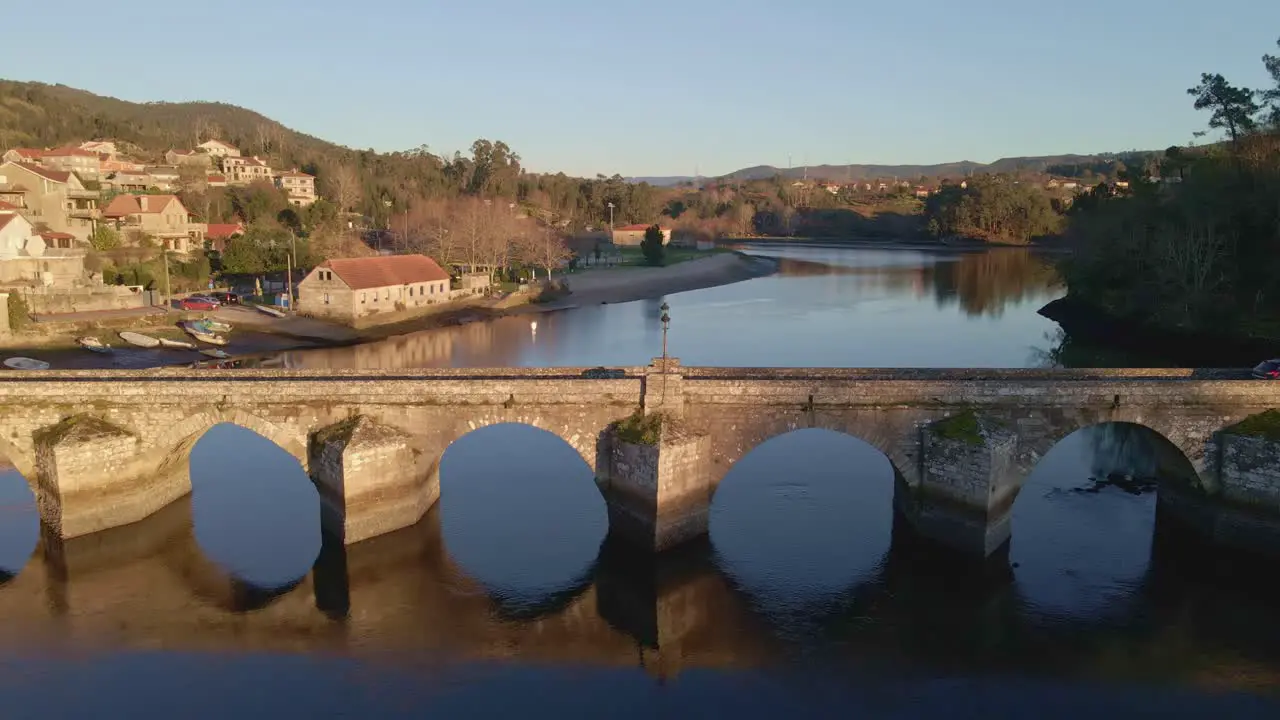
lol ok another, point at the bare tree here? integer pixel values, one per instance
(542, 247)
(342, 185)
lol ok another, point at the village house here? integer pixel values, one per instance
(162, 217)
(22, 155)
(218, 234)
(218, 149)
(352, 288)
(112, 166)
(633, 235)
(55, 198)
(104, 148)
(127, 181)
(215, 180)
(300, 187)
(188, 157)
(25, 258)
(163, 177)
(242, 171)
(86, 164)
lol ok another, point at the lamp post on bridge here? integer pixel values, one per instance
(666, 323)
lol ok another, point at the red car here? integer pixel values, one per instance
(196, 303)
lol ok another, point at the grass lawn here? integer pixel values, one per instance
(633, 257)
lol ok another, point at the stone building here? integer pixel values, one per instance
(300, 187)
(351, 288)
(162, 217)
(633, 235)
(55, 198)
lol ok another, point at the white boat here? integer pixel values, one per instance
(217, 325)
(273, 312)
(93, 344)
(215, 353)
(139, 339)
(177, 344)
(25, 363)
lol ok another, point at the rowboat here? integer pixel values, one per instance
(25, 363)
(215, 353)
(211, 326)
(177, 344)
(205, 337)
(139, 339)
(93, 344)
(269, 311)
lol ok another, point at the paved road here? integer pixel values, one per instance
(95, 315)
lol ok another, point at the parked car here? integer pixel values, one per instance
(1268, 370)
(226, 298)
(195, 302)
(207, 298)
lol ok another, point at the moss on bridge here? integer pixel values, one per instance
(963, 427)
(1264, 425)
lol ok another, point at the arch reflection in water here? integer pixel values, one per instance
(19, 521)
(521, 514)
(255, 512)
(1083, 523)
(801, 521)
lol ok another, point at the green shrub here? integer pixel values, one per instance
(19, 313)
(641, 429)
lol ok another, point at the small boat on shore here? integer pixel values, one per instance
(273, 312)
(25, 363)
(215, 353)
(212, 326)
(176, 344)
(143, 341)
(200, 334)
(93, 344)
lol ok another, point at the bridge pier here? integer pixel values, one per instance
(969, 479)
(369, 479)
(92, 476)
(658, 493)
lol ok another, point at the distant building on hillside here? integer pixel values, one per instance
(219, 149)
(188, 157)
(242, 170)
(84, 163)
(22, 155)
(633, 235)
(352, 288)
(299, 186)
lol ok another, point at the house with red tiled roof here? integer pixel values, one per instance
(56, 198)
(84, 163)
(633, 235)
(215, 180)
(219, 149)
(219, 233)
(27, 155)
(349, 289)
(28, 257)
(162, 217)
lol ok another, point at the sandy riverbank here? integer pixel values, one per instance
(256, 334)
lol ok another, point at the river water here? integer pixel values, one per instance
(806, 599)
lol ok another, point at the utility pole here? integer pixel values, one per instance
(288, 278)
(164, 254)
(611, 217)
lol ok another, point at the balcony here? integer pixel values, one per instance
(85, 213)
(82, 194)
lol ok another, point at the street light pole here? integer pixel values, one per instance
(611, 218)
(666, 323)
(293, 259)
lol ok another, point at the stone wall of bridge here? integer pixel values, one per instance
(105, 448)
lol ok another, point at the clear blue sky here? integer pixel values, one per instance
(657, 87)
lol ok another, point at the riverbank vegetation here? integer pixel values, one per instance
(1196, 250)
(994, 208)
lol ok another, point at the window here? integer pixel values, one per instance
(433, 289)
(326, 298)
(362, 298)
(388, 293)
(410, 291)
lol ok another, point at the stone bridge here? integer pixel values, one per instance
(106, 448)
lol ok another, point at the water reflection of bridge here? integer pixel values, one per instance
(400, 598)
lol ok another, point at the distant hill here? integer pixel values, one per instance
(1058, 163)
(662, 180)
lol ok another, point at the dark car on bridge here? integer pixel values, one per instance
(1268, 370)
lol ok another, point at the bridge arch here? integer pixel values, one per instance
(584, 440)
(804, 519)
(21, 461)
(525, 524)
(1175, 453)
(178, 439)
